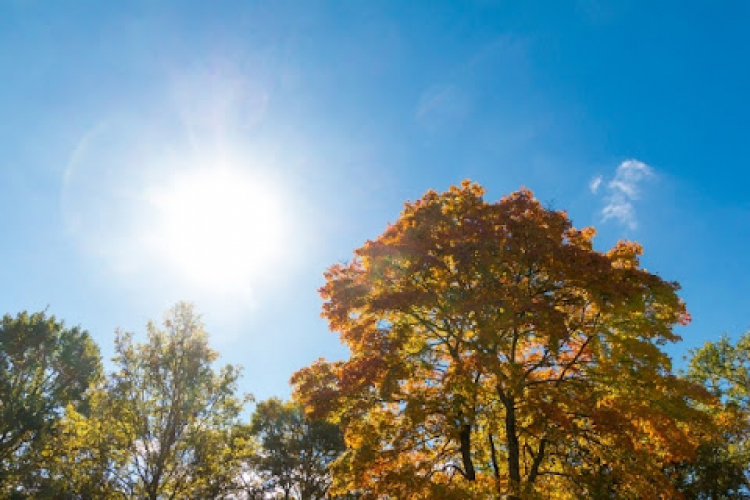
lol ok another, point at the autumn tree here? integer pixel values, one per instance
(294, 451)
(166, 424)
(44, 366)
(496, 354)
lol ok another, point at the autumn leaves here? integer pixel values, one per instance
(496, 354)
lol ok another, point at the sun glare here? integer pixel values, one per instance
(217, 228)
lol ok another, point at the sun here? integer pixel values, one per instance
(220, 228)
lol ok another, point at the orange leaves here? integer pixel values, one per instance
(581, 238)
(317, 388)
(624, 254)
(362, 372)
(473, 323)
(683, 316)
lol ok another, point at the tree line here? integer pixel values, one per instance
(166, 423)
(495, 354)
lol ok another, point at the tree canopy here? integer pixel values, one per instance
(294, 451)
(721, 470)
(44, 366)
(496, 354)
(166, 424)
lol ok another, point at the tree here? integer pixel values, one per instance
(496, 354)
(44, 367)
(721, 470)
(717, 472)
(725, 369)
(295, 451)
(165, 425)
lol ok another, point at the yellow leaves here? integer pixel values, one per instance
(581, 238)
(464, 312)
(625, 254)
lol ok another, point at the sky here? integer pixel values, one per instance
(226, 153)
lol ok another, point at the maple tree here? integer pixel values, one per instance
(496, 354)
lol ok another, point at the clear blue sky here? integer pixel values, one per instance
(114, 117)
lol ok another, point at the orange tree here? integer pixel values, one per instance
(496, 354)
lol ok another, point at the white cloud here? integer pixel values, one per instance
(595, 183)
(622, 191)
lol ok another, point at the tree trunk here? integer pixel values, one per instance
(493, 456)
(153, 491)
(465, 437)
(514, 456)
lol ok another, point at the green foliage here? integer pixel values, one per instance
(725, 369)
(44, 367)
(296, 451)
(717, 472)
(166, 424)
(721, 470)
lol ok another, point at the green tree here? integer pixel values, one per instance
(721, 470)
(166, 424)
(496, 354)
(725, 369)
(295, 451)
(44, 367)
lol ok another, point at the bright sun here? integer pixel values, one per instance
(217, 228)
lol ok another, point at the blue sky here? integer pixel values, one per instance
(115, 116)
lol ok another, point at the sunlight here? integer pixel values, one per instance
(217, 228)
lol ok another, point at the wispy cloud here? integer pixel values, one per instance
(441, 106)
(622, 191)
(595, 183)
